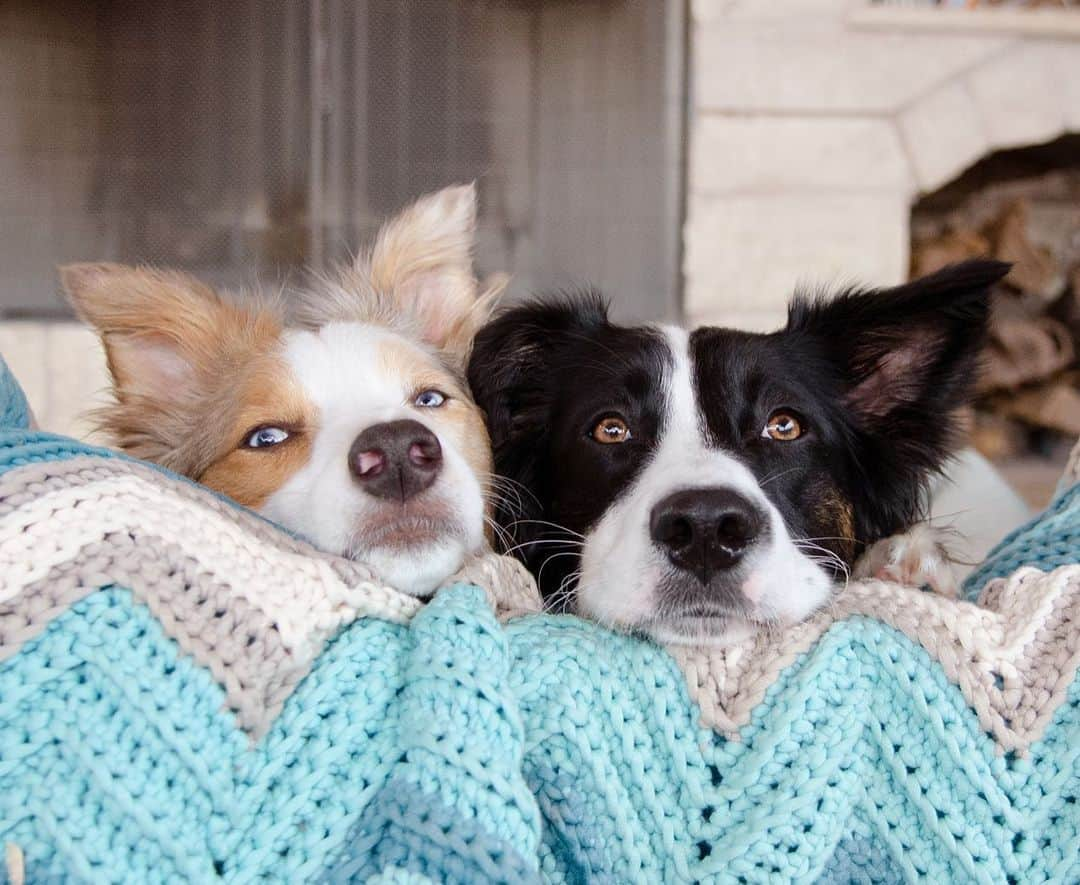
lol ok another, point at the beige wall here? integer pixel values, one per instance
(62, 370)
(814, 124)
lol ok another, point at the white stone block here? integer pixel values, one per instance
(1064, 61)
(944, 134)
(1019, 96)
(747, 255)
(78, 379)
(22, 345)
(764, 10)
(822, 66)
(738, 154)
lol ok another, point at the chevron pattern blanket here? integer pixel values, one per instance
(189, 694)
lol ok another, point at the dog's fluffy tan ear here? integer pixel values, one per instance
(159, 328)
(169, 340)
(422, 259)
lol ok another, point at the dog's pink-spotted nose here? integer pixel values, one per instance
(398, 459)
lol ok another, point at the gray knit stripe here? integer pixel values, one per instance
(222, 631)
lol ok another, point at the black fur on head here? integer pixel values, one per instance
(521, 369)
(875, 377)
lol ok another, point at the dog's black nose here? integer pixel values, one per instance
(398, 459)
(705, 531)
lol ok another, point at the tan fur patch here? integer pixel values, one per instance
(460, 419)
(268, 396)
(835, 511)
(179, 355)
(417, 278)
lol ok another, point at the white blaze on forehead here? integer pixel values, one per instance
(621, 567)
(341, 369)
(684, 455)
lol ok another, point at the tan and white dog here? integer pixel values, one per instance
(352, 427)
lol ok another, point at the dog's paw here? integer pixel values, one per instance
(918, 558)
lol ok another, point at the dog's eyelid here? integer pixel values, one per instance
(607, 414)
(433, 397)
(790, 411)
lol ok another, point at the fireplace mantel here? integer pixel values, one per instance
(1057, 24)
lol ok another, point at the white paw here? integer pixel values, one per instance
(917, 558)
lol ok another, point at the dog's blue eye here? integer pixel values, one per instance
(266, 436)
(429, 399)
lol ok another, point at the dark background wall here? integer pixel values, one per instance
(246, 140)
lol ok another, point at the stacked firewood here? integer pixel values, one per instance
(1030, 386)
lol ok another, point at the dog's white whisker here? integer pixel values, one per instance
(775, 476)
(551, 557)
(544, 542)
(545, 522)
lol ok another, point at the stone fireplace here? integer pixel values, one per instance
(816, 125)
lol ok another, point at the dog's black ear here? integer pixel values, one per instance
(510, 368)
(512, 378)
(906, 359)
(902, 351)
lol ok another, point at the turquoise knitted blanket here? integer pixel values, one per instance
(189, 694)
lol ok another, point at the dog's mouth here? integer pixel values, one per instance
(405, 530)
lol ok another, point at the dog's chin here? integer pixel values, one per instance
(414, 553)
(674, 609)
(707, 626)
(419, 567)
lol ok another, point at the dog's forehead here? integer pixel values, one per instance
(734, 368)
(616, 352)
(360, 363)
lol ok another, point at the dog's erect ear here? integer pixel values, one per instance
(906, 359)
(422, 260)
(510, 370)
(910, 349)
(169, 340)
(511, 376)
(164, 332)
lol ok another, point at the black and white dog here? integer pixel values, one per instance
(694, 486)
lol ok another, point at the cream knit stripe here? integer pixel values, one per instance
(1013, 656)
(26, 483)
(510, 589)
(306, 598)
(508, 584)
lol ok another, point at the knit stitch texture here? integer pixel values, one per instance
(189, 694)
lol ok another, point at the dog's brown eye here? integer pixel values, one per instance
(611, 430)
(782, 426)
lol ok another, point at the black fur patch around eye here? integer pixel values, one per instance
(545, 373)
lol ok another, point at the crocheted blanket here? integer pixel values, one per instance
(188, 693)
